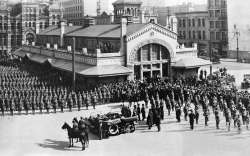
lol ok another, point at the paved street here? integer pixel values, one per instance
(41, 135)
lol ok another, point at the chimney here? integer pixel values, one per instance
(62, 32)
(124, 23)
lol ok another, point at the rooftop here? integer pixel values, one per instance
(103, 31)
(128, 2)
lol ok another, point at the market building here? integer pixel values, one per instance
(114, 52)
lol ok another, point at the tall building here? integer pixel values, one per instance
(5, 29)
(218, 24)
(31, 17)
(129, 8)
(74, 11)
(193, 27)
(104, 6)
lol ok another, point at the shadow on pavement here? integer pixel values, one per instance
(56, 145)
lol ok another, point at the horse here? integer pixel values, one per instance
(72, 133)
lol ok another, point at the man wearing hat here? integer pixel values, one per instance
(191, 118)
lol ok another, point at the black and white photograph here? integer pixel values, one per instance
(124, 77)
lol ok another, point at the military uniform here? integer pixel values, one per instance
(217, 118)
(191, 119)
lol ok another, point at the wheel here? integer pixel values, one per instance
(113, 130)
(132, 127)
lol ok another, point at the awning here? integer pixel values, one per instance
(38, 58)
(66, 65)
(106, 70)
(19, 52)
(191, 62)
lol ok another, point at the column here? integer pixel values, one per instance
(141, 70)
(160, 52)
(161, 70)
(150, 58)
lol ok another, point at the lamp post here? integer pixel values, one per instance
(73, 64)
(237, 34)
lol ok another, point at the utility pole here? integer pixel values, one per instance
(210, 55)
(73, 64)
(237, 34)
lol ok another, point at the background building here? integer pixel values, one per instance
(74, 11)
(193, 27)
(218, 24)
(5, 28)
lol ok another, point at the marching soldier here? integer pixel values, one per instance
(143, 112)
(247, 120)
(178, 112)
(69, 102)
(12, 104)
(146, 100)
(228, 118)
(191, 119)
(41, 105)
(88, 100)
(157, 117)
(54, 103)
(33, 103)
(197, 114)
(26, 105)
(2, 106)
(138, 112)
(94, 99)
(61, 102)
(162, 109)
(79, 101)
(168, 105)
(206, 116)
(217, 118)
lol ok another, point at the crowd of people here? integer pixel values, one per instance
(30, 88)
(35, 88)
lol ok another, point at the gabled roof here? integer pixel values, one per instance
(55, 31)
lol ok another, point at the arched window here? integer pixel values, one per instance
(1, 26)
(1, 18)
(29, 24)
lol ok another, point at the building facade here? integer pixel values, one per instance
(218, 26)
(74, 11)
(193, 27)
(129, 8)
(5, 29)
(115, 52)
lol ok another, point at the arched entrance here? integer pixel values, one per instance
(150, 61)
(30, 38)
